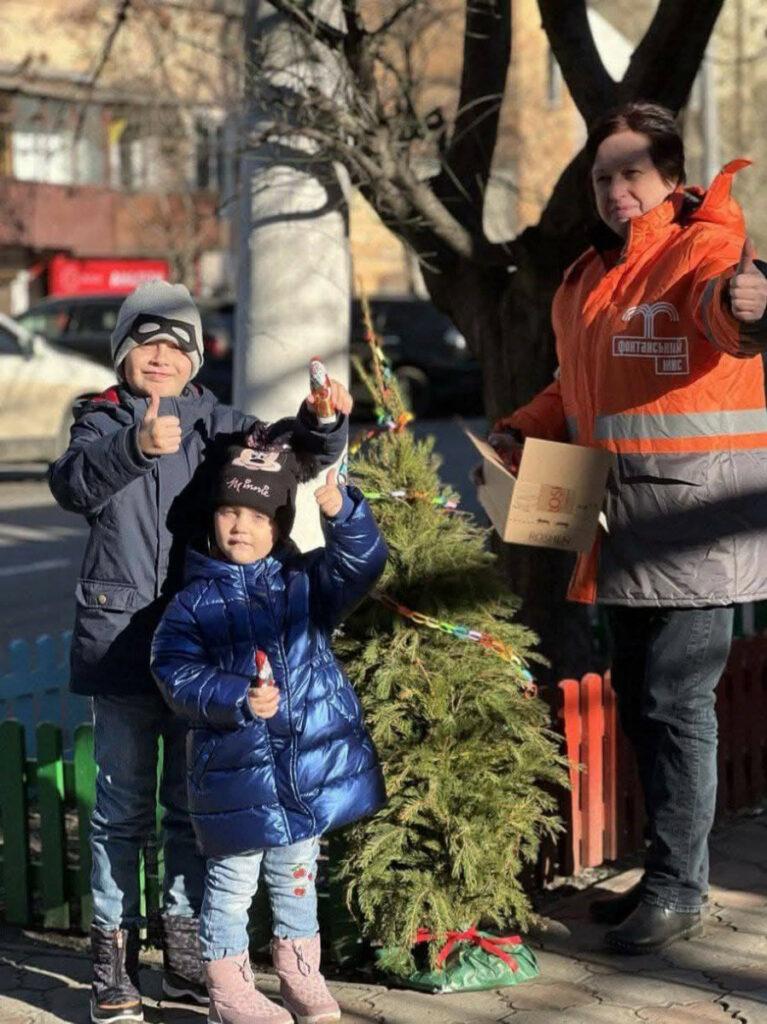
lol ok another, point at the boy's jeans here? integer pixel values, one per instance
(126, 733)
(666, 664)
(231, 883)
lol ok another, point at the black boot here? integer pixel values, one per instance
(615, 908)
(183, 974)
(649, 928)
(115, 994)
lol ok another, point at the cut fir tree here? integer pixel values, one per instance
(469, 759)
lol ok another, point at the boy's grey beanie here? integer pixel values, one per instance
(169, 300)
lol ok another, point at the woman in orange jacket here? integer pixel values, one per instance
(655, 326)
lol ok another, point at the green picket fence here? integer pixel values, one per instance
(45, 809)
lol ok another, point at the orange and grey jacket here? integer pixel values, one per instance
(654, 367)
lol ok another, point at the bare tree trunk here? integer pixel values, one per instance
(499, 312)
(293, 291)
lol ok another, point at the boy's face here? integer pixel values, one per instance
(243, 535)
(157, 367)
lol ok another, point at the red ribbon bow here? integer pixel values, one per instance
(490, 943)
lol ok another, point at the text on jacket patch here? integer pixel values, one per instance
(671, 355)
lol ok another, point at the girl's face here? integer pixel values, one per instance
(243, 535)
(626, 182)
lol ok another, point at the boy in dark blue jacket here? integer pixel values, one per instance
(271, 767)
(136, 467)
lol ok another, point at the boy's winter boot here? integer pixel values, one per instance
(302, 986)
(115, 995)
(233, 998)
(183, 972)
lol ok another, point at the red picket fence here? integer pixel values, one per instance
(605, 815)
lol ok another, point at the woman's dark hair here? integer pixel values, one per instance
(657, 123)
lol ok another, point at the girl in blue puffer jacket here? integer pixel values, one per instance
(270, 767)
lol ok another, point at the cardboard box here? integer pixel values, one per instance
(555, 499)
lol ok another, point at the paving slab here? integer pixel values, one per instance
(642, 990)
(557, 968)
(738, 899)
(595, 1014)
(718, 977)
(750, 921)
(555, 997)
(709, 1012)
(745, 1010)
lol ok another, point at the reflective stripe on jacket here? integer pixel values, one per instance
(654, 367)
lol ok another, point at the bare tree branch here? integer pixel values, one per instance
(567, 27)
(109, 42)
(388, 23)
(297, 12)
(357, 49)
(664, 65)
(486, 55)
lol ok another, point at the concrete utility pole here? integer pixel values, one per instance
(712, 153)
(294, 281)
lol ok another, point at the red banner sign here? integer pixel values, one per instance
(67, 276)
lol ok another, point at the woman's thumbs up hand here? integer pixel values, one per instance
(748, 287)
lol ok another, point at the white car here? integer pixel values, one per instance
(38, 386)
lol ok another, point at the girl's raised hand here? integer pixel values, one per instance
(329, 496)
(340, 397)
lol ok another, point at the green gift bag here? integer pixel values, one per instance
(473, 960)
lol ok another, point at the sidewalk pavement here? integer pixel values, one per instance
(719, 977)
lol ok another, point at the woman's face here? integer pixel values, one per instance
(626, 181)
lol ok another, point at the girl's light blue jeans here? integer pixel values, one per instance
(290, 874)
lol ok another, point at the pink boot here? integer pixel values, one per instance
(233, 998)
(302, 987)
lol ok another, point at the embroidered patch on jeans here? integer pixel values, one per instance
(300, 872)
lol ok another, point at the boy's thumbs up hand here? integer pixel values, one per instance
(153, 409)
(329, 496)
(748, 287)
(158, 435)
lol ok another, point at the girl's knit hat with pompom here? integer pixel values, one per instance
(264, 475)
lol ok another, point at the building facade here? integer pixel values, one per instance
(120, 151)
(129, 150)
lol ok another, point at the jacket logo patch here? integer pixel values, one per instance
(671, 355)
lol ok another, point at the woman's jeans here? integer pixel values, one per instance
(231, 883)
(666, 665)
(126, 734)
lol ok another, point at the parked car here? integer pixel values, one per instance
(429, 356)
(84, 324)
(38, 386)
